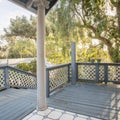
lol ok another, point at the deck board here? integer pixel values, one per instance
(99, 101)
(16, 103)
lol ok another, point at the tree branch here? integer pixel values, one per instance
(113, 3)
(78, 12)
(103, 39)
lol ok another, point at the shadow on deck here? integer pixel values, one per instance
(98, 101)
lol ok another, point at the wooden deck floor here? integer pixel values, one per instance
(93, 100)
(16, 103)
(99, 101)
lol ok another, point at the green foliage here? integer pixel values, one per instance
(92, 15)
(116, 54)
(3, 52)
(23, 66)
(22, 27)
(22, 49)
(104, 26)
(30, 67)
(59, 34)
(71, 20)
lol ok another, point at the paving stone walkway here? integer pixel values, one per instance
(56, 114)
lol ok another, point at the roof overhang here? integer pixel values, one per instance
(29, 5)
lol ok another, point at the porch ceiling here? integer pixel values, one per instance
(29, 5)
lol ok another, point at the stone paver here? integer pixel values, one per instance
(78, 118)
(82, 116)
(44, 113)
(56, 114)
(67, 117)
(36, 117)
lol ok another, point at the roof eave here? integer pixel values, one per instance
(28, 6)
(23, 6)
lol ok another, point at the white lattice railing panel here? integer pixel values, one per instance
(57, 77)
(107, 72)
(101, 73)
(28, 81)
(14, 78)
(2, 79)
(114, 73)
(20, 79)
(87, 72)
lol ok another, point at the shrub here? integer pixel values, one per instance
(23, 66)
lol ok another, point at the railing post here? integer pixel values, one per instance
(105, 74)
(76, 71)
(6, 77)
(97, 72)
(73, 56)
(68, 73)
(47, 83)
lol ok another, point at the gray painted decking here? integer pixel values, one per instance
(99, 101)
(93, 100)
(16, 103)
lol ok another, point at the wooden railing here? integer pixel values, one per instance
(98, 72)
(12, 77)
(58, 76)
(3, 84)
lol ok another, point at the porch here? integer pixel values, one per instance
(93, 100)
(99, 101)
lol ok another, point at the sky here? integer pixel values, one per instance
(10, 10)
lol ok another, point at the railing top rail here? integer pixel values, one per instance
(25, 72)
(22, 71)
(4, 66)
(82, 63)
(58, 66)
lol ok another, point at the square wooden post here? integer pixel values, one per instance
(73, 65)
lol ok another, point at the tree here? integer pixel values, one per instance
(22, 49)
(3, 48)
(60, 32)
(3, 52)
(77, 21)
(21, 27)
(93, 16)
(20, 35)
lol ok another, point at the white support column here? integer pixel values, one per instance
(41, 79)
